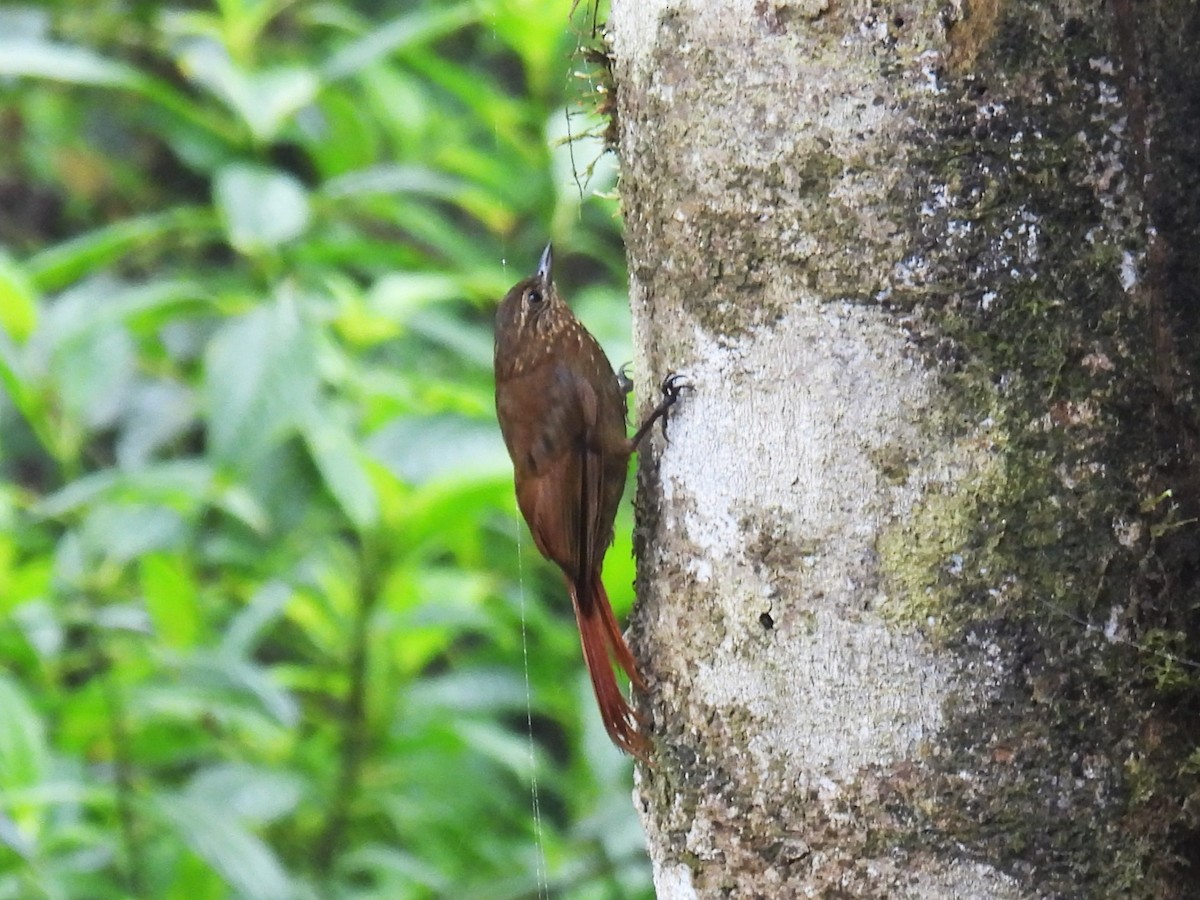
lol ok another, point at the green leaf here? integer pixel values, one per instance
(260, 380)
(420, 449)
(23, 752)
(18, 300)
(339, 460)
(420, 26)
(398, 295)
(192, 879)
(281, 484)
(264, 100)
(88, 334)
(62, 62)
(226, 672)
(157, 414)
(262, 208)
(348, 135)
(123, 617)
(393, 179)
(417, 180)
(386, 864)
(121, 533)
(102, 302)
(248, 626)
(244, 507)
(59, 265)
(249, 793)
(172, 598)
(79, 492)
(478, 690)
(182, 481)
(474, 346)
(32, 57)
(241, 857)
(24, 22)
(23, 392)
(507, 747)
(94, 373)
(42, 627)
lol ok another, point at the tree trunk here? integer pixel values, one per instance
(918, 566)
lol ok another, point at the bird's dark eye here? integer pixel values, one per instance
(534, 297)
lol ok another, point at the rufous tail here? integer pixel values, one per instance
(600, 636)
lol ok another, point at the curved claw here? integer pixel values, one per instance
(623, 379)
(672, 386)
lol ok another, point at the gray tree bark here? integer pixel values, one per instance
(917, 569)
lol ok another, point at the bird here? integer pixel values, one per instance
(562, 414)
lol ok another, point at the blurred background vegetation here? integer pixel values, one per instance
(266, 609)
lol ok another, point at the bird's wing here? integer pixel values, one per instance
(546, 452)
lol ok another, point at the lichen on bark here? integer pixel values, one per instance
(903, 250)
(1071, 576)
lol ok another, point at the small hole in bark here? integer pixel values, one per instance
(766, 621)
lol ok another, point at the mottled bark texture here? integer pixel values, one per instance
(918, 567)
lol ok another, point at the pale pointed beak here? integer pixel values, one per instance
(545, 264)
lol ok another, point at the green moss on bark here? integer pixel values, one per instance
(1054, 570)
(1061, 572)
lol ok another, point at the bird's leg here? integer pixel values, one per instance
(673, 385)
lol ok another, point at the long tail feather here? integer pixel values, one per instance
(596, 629)
(616, 640)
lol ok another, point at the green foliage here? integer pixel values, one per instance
(270, 625)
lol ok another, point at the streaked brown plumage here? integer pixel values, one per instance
(562, 413)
